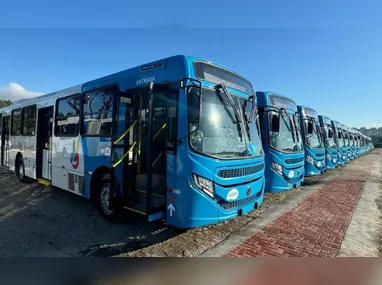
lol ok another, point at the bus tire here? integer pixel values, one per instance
(104, 197)
(20, 170)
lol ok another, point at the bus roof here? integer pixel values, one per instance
(181, 61)
(308, 111)
(274, 99)
(325, 119)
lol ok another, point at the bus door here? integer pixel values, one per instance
(5, 141)
(139, 151)
(44, 143)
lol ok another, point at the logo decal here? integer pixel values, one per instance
(291, 174)
(249, 190)
(232, 195)
(75, 157)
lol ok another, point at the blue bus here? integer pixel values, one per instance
(351, 144)
(329, 142)
(356, 143)
(313, 142)
(174, 139)
(361, 143)
(370, 144)
(347, 140)
(341, 142)
(282, 142)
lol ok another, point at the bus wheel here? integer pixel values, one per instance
(20, 171)
(105, 197)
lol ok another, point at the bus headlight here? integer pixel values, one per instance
(278, 168)
(328, 157)
(204, 185)
(309, 159)
(339, 155)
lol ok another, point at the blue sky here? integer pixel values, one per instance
(326, 55)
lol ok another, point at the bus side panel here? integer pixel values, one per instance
(26, 146)
(96, 153)
(68, 164)
(14, 149)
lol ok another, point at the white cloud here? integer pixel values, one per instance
(14, 91)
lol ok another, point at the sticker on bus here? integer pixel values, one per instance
(145, 80)
(125, 100)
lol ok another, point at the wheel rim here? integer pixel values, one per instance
(105, 199)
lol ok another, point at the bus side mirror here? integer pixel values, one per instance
(275, 123)
(193, 107)
(310, 128)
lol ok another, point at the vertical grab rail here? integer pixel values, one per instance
(149, 149)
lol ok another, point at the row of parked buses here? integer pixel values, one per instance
(180, 139)
(299, 143)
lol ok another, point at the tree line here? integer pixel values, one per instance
(5, 103)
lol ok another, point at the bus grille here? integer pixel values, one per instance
(320, 154)
(237, 172)
(294, 160)
(238, 203)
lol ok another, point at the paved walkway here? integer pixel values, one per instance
(317, 225)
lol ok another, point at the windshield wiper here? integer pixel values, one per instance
(254, 112)
(282, 111)
(246, 121)
(295, 126)
(291, 126)
(229, 97)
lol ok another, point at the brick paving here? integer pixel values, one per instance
(315, 227)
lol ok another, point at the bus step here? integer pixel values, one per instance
(43, 182)
(153, 194)
(140, 208)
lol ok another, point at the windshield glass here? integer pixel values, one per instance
(313, 140)
(330, 143)
(220, 136)
(288, 137)
(340, 138)
(347, 139)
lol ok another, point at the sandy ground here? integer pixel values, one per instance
(363, 236)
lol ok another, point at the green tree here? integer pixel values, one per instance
(5, 103)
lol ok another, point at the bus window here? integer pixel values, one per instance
(29, 121)
(16, 122)
(67, 116)
(97, 112)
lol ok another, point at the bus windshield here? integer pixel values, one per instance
(351, 142)
(347, 139)
(220, 136)
(340, 138)
(313, 140)
(329, 136)
(288, 137)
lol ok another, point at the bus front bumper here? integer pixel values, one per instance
(316, 168)
(206, 211)
(288, 179)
